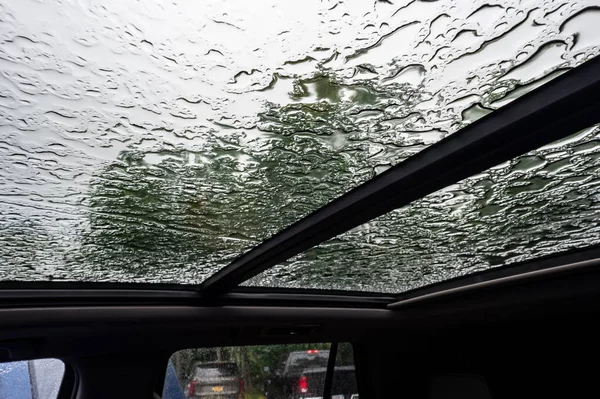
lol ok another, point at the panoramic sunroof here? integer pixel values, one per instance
(155, 142)
(544, 202)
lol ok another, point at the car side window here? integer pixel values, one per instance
(31, 379)
(296, 371)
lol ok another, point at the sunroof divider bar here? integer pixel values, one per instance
(566, 105)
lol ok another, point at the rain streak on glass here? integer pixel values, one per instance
(151, 141)
(544, 202)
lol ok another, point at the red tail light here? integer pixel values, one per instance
(192, 388)
(303, 384)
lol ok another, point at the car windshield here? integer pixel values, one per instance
(302, 360)
(155, 142)
(213, 371)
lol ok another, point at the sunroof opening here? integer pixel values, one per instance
(541, 203)
(156, 142)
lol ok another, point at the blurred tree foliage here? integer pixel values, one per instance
(167, 208)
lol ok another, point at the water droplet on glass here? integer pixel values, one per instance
(155, 142)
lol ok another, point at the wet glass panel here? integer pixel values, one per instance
(156, 141)
(542, 203)
(31, 379)
(293, 371)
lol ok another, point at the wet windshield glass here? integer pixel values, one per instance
(156, 141)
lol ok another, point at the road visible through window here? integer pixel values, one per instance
(294, 371)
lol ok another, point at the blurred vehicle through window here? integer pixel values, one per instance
(294, 371)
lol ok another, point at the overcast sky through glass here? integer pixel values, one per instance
(152, 141)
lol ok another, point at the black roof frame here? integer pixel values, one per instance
(569, 103)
